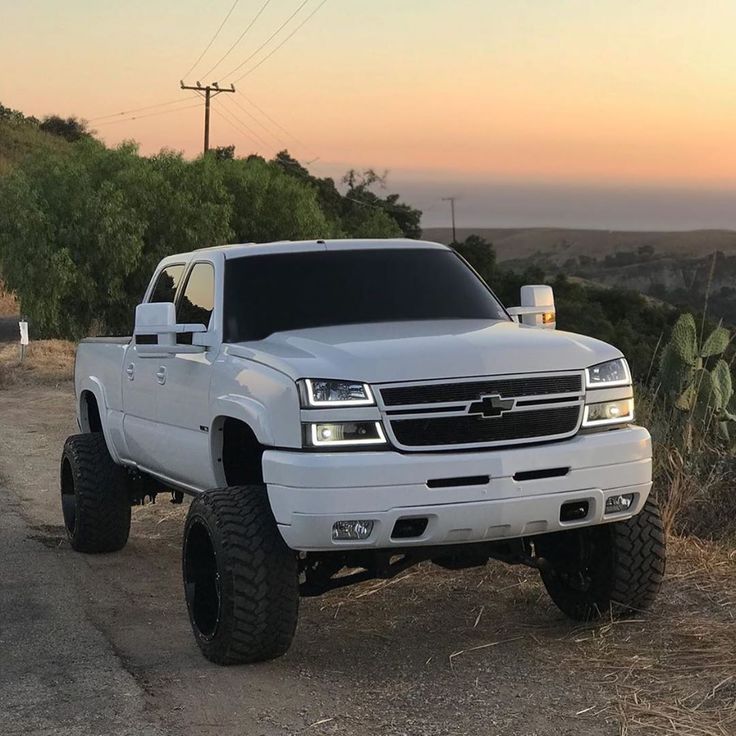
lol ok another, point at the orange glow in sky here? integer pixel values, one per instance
(542, 90)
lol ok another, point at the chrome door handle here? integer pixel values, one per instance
(161, 375)
(130, 370)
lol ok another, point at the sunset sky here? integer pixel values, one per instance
(539, 102)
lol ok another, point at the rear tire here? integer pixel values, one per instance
(241, 581)
(94, 497)
(615, 567)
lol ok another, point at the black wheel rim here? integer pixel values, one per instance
(68, 497)
(202, 581)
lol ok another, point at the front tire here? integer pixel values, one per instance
(94, 498)
(241, 581)
(615, 567)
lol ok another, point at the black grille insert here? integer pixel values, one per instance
(523, 475)
(471, 390)
(468, 480)
(466, 429)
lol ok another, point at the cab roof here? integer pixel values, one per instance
(238, 250)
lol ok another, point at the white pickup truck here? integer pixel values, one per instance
(340, 410)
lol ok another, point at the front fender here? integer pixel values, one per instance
(264, 398)
(248, 410)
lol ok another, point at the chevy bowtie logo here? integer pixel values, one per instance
(491, 406)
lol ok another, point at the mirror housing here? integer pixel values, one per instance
(156, 324)
(537, 307)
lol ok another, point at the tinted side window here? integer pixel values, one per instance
(166, 284)
(198, 300)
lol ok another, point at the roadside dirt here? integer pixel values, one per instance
(430, 653)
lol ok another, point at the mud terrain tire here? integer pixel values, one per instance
(241, 581)
(94, 498)
(610, 568)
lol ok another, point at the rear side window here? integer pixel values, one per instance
(198, 300)
(167, 284)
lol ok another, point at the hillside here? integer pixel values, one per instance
(562, 243)
(18, 139)
(679, 268)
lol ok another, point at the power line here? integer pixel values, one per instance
(212, 40)
(269, 39)
(269, 55)
(268, 130)
(234, 125)
(385, 207)
(149, 115)
(270, 119)
(251, 132)
(239, 39)
(137, 109)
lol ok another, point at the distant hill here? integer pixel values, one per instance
(674, 267)
(560, 244)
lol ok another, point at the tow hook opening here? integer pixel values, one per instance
(574, 511)
(409, 528)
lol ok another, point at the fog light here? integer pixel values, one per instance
(337, 434)
(615, 504)
(358, 529)
(609, 412)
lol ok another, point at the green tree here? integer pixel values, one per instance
(71, 129)
(224, 153)
(82, 231)
(391, 218)
(480, 254)
(68, 241)
(269, 204)
(360, 212)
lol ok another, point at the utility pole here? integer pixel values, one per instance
(208, 91)
(451, 200)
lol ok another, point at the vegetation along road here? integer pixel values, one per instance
(99, 644)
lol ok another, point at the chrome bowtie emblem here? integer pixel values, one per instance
(491, 406)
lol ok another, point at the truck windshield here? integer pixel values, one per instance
(272, 293)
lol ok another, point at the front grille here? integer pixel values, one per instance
(467, 412)
(465, 430)
(435, 393)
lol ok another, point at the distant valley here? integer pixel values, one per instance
(676, 267)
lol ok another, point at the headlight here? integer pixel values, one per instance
(319, 392)
(620, 411)
(340, 434)
(612, 373)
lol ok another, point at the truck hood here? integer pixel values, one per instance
(410, 351)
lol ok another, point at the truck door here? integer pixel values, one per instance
(183, 394)
(141, 383)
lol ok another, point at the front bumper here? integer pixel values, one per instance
(309, 492)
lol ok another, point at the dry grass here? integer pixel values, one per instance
(694, 473)
(668, 671)
(673, 672)
(46, 362)
(8, 303)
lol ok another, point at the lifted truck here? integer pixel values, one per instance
(340, 410)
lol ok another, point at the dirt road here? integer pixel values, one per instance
(432, 652)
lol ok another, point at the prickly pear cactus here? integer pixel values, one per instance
(696, 378)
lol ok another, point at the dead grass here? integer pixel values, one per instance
(668, 671)
(673, 672)
(46, 362)
(8, 304)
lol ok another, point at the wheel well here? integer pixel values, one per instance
(90, 413)
(242, 454)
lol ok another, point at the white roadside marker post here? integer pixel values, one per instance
(23, 324)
